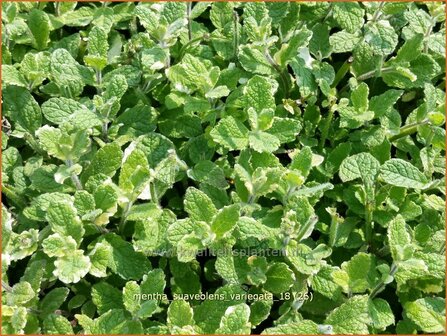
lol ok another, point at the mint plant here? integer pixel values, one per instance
(223, 168)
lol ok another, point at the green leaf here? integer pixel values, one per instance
(209, 313)
(180, 314)
(258, 93)
(358, 274)
(57, 324)
(359, 97)
(363, 166)
(225, 220)
(381, 105)
(208, 172)
(235, 320)
(343, 41)
(12, 76)
(60, 110)
(288, 50)
(253, 60)
(199, 206)
(381, 37)
(305, 327)
(106, 161)
(134, 174)
(221, 14)
(23, 244)
(348, 15)
(428, 313)
(20, 294)
(99, 258)
(351, 317)
(192, 74)
(323, 283)
(53, 300)
(398, 237)
(115, 89)
(106, 297)
(279, 278)
(72, 268)
(319, 44)
(97, 48)
(381, 314)
(124, 261)
(305, 78)
(63, 219)
(143, 211)
(230, 133)
(66, 73)
(285, 129)
(402, 173)
(22, 108)
(263, 141)
(39, 24)
(217, 92)
(58, 245)
(302, 161)
(130, 296)
(410, 50)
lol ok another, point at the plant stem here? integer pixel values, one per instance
(381, 285)
(407, 130)
(250, 201)
(99, 81)
(13, 196)
(327, 125)
(73, 176)
(33, 143)
(188, 44)
(188, 16)
(427, 34)
(57, 9)
(373, 73)
(367, 75)
(6, 287)
(341, 73)
(276, 66)
(368, 221)
(236, 33)
(105, 131)
(153, 192)
(122, 223)
(378, 12)
(289, 192)
(304, 229)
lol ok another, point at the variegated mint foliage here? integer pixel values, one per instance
(223, 168)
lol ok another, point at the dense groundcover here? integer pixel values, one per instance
(215, 168)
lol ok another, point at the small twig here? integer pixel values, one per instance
(368, 221)
(378, 12)
(188, 16)
(407, 130)
(189, 43)
(99, 81)
(327, 125)
(73, 176)
(381, 285)
(236, 33)
(341, 73)
(276, 66)
(122, 223)
(6, 287)
(429, 31)
(373, 73)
